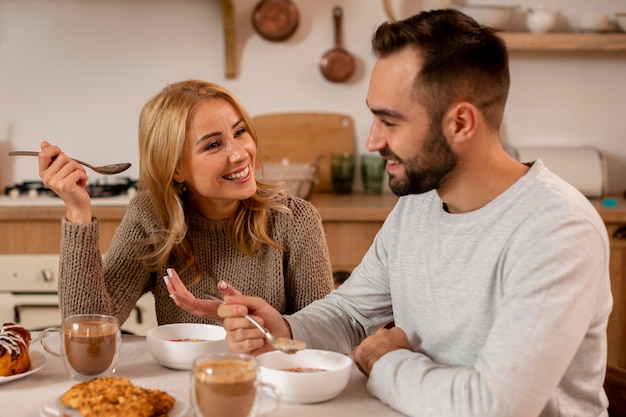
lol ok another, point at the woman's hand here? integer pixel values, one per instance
(188, 302)
(67, 178)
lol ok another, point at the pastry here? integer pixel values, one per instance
(116, 397)
(14, 345)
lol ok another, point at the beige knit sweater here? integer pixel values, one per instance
(288, 279)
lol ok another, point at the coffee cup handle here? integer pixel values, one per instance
(42, 340)
(270, 399)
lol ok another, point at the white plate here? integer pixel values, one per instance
(52, 409)
(37, 361)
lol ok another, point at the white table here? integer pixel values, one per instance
(24, 397)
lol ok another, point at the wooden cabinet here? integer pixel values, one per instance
(351, 222)
(617, 323)
(615, 220)
(38, 229)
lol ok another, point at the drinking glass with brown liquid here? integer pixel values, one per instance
(89, 345)
(227, 384)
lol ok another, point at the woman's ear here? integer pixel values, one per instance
(178, 174)
(460, 121)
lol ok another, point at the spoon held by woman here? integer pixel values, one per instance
(110, 169)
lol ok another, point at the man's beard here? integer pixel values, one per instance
(429, 170)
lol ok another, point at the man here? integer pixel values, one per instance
(494, 272)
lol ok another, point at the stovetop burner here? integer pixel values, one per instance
(96, 189)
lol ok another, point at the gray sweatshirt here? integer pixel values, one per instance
(506, 307)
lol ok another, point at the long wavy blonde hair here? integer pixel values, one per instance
(163, 124)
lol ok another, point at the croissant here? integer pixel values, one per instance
(14, 344)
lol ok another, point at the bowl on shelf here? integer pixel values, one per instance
(591, 22)
(491, 15)
(308, 376)
(176, 345)
(298, 179)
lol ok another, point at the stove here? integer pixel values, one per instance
(115, 192)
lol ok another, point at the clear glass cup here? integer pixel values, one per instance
(89, 345)
(227, 384)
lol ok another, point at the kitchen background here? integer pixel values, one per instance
(76, 73)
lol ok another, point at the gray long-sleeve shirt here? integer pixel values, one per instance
(506, 307)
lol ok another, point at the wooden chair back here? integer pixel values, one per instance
(615, 387)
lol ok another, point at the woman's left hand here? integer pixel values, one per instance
(187, 301)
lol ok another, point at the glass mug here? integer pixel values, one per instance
(372, 172)
(227, 384)
(342, 167)
(89, 345)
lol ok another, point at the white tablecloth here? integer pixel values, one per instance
(26, 396)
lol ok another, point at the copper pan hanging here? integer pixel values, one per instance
(275, 20)
(337, 65)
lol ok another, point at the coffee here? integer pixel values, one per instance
(225, 388)
(91, 348)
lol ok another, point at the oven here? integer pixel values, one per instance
(29, 281)
(28, 295)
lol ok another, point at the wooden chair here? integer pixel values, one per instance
(615, 387)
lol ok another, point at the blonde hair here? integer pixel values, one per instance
(163, 123)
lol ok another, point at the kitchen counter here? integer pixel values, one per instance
(332, 207)
(611, 209)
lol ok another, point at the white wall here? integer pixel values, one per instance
(76, 73)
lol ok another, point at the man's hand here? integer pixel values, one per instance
(241, 335)
(375, 346)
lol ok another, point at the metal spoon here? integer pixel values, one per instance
(279, 343)
(104, 169)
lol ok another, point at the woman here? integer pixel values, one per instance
(199, 211)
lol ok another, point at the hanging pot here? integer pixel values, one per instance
(337, 65)
(275, 20)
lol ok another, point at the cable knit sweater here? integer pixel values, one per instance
(288, 279)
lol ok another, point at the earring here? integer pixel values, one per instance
(180, 187)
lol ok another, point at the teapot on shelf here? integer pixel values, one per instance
(539, 19)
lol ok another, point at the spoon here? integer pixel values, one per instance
(279, 343)
(104, 169)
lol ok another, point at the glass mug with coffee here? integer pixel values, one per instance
(227, 384)
(89, 345)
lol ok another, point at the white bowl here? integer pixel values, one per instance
(323, 374)
(591, 22)
(176, 345)
(490, 15)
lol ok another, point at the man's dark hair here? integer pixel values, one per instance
(461, 61)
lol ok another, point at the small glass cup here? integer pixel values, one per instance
(226, 384)
(342, 167)
(89, 345)
(372, 172)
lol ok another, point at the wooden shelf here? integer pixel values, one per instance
(607, 42)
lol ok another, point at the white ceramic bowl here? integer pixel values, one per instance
(176, 345)
(330, 375)
(490, 15)
(591, 22)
